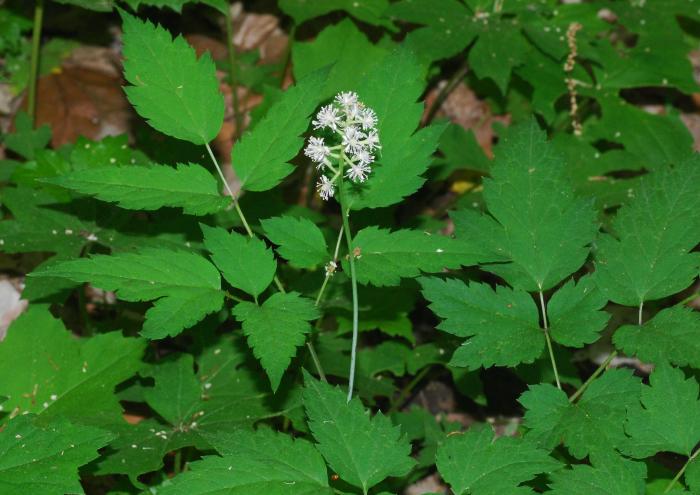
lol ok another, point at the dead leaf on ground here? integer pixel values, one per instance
(464, 108)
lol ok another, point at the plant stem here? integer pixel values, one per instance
(639, 314)
(34, 68)
(345, 213)
(228, 295)
(595, 374)
(330, 274)
(691, 297)
(317, 362)
(237, 117)
(407, 389)
(277, 281)
(680, 473)
(445, 92)
(177, 462)
(548, 340)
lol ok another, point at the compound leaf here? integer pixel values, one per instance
(44, 460)
(672, 335)
(502, 326)
(546, 229)
(362, 450)
(649, 257)
(384, 257)
(186, 286)
(669, 420)
(575, 313)
(68, 377)
(176, 92)
(369, 11)
(261, 156)
(246, 262)
(255, 462)
(275, 329)
(476, 462)
(300, 241)
(609, 474)
(190, 187)
(595, 423)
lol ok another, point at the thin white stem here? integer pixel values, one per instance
(330, 273)
(639, 313)
(548, 340)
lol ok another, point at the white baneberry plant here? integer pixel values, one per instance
(351, 128)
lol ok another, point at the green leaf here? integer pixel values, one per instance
(545, 229)
(98, 5)
(67, 377)
(26, 140)
(186, 286)
(261, 156)
(449, 27)
(477, 462)
(502, 326)
(362, 450)
(254, 463)
(176, 92)
(669, 420)
(692, 477)
(343, 46)
(190, 187)
(392, 90)
(575, 313)
(38, 225)
(300, 241)
(45, 460)
(649, 257)
(245, 262)
(672, 336)
(369, 11)
(231, 393)
(384, 257)
(275, 330)
(609, 474)
(593, 424)
(500, 47)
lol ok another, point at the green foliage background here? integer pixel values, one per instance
(501, 278)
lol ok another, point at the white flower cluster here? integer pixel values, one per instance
(356, 126)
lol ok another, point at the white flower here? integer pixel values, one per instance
(354, 112)
(372, 141)
(317, 150)
(368, 119)
(325, 188)
(363, 156)
(358, 171)
(327, 117)
(352, 140)
(346, 99)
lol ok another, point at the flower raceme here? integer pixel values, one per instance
(354, 128)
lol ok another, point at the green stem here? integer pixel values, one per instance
(228, 295)
(595, 375)
(691, 297)
(277, 281)
(345, 213)
(34, 68)
(330, 274)
(445, 92)
(177, 462)
(287, 58)
(237, 117)
(548, 340)
(680, 473)
(407, 390)
(317, 362)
